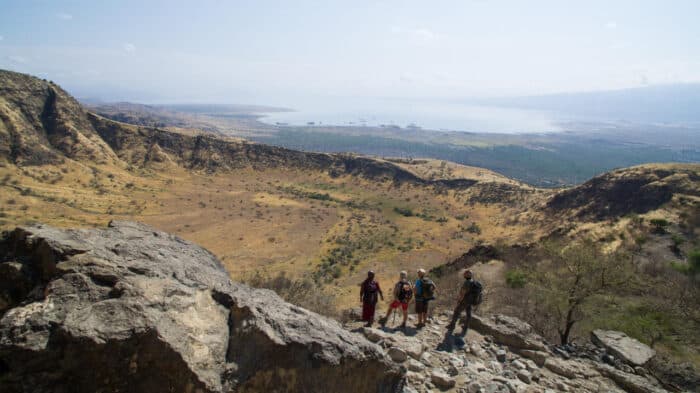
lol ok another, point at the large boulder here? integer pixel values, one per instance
(509, 331)
(630, 382)
(132, 309)
(623, 346)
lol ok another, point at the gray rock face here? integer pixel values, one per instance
(128, 308)
(630, 382)
(623, 346)
(509, 331)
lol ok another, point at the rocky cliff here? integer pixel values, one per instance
(132, 309)
(41, 124)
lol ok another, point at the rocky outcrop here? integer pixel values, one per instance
(624, 347)
(509, 331)
(129, 308)
(631, 190)
(483, 361)
(41, 124)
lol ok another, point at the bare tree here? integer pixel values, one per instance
(572, 274)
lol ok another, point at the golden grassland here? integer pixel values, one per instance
(267, 221)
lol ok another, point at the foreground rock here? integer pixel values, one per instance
(483, 362)
(509, 331)
(623, 346)
(132, 309)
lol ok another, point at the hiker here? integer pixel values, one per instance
(425, 292)
(469, 295)
(369, 289)
(403, 292)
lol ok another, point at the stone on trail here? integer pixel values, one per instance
(416, 366)
(538, 357)
(622, 346)
(509, 331)
(411, 345)
(524, 376)
(501, 355)
(128, 308)
(397, 354)
(630, 382)
(442, 380)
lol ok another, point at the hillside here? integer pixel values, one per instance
(314, 220)
(260, 208)
(42, 124)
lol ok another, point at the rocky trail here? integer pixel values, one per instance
(502, 354)
(128, 308)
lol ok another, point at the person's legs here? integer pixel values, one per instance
(465, 327)
(388, 311)
(455, 316)
(370, 313)
(404, 309)
(420, 305)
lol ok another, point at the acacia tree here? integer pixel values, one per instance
(571, 275)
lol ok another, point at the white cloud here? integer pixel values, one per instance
(420, 35)
(17, 59)
(129, 47)
(64, 16)
(611, 25)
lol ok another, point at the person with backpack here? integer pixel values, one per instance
(425, 292)
(469, 295)
(403, 292)
(369, 290)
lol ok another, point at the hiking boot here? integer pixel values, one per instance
(382, 321)
(403, 326)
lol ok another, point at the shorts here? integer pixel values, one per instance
(421, 306)
(397, 303)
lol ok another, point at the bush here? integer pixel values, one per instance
(516, 278)
(474, 228)
(404, 211)
(659, 225)
(677, 241)
(692, 267)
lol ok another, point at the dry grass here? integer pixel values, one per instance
(267, 221)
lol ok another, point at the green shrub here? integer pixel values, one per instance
(692, 267)
(404, 211)
(516, 278)
(659, 225)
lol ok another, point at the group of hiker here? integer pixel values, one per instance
(421, 292)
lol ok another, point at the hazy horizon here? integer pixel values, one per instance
(278, 53)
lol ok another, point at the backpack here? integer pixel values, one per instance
(427, 289)
(403, 291)
(476, 292)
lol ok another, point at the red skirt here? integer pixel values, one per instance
(368, 311)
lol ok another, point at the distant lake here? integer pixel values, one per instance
(424, 114)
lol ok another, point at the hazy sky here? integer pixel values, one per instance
(274, 52)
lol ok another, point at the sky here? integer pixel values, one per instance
(279, 52)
